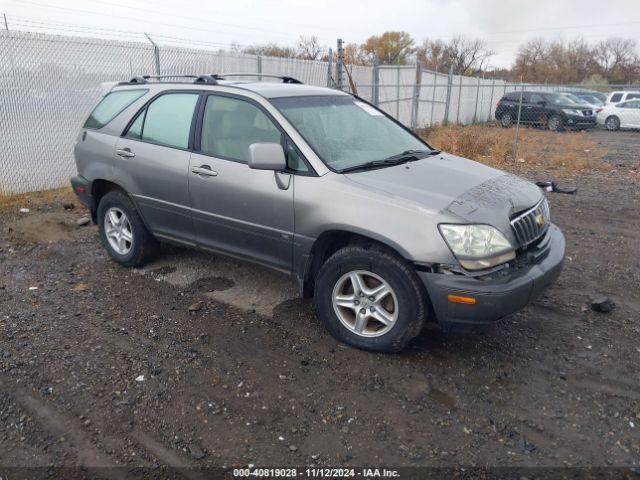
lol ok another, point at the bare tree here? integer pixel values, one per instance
(618, 59)
(463, 54)
(309, 48)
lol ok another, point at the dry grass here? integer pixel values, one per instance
(32, 199)
(537, 149)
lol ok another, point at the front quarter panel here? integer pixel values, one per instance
(332, 202)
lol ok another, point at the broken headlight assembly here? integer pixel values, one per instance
(477, 246)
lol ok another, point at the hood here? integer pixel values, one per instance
(576, 106)
(452, 185)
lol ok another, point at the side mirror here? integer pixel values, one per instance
(267, 156)
(542, 103)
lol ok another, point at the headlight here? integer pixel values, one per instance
(477, 246)
(571, 111)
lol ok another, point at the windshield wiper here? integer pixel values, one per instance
(404, 157)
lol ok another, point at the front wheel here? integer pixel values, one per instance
(370, 298)
(612, 123)
(506, 120)
(122, 232)
(554, 123)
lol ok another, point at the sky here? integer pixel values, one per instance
(503, 24)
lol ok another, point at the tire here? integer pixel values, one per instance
(555, 123)
(406, 303)
(506, 120)
(612, 123)
(141, 247)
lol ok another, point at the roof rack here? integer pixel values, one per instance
(210, 79)
(207, 79)
(284, 78)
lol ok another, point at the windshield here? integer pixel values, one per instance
(591, 99)
(573, 98)
(345, 132)
(558, 99)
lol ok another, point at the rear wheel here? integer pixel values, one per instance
(555, 123)
(122, 231)
(612, 123)
(506, 120)
(370, 298)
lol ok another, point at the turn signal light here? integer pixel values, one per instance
(463, 300)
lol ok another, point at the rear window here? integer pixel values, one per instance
(616, 97)
(110, 106)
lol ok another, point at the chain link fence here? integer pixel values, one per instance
(49, 84)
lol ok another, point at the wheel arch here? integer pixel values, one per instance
(330, 241)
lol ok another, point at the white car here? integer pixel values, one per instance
(620, 115)
(621, 96)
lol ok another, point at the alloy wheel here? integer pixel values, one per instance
(365, 303)
(117, 229)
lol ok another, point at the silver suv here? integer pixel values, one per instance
(384, 232)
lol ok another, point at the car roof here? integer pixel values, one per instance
(266, 89)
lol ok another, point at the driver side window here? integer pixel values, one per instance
(231, 125)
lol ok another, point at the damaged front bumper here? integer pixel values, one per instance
(498, 294)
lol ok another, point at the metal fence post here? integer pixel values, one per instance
(459, 100)
(416, 97)
(398, 93)
(475, 110)
(493, 86)
(329, 67)
(376, 81)
(156, 54)
(259, 66)
(340, 65)
(515, 142)
(433, 96)
(6, 25)
(448, 103)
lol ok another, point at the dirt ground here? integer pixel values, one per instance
(105, 366)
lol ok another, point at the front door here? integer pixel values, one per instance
(153, 164)
(238, 210)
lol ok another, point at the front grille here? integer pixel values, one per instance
(531, 224)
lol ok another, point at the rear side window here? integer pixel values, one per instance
(230, 126)
(166, 121)
(111, 106)
(616, 97)
(633, 95)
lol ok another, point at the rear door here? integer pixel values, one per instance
(238, 210)
(629, 114)
(152, 163)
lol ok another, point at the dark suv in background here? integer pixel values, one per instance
(555, 111)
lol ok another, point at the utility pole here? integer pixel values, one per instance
(340, 65)
(6, 25)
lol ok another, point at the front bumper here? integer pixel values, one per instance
(500, 294)
(576, 121)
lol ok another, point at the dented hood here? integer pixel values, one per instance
(456, 186)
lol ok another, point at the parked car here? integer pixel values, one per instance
(590, 95)
(592, 102)
(553, 110)
(621, 96)
(620, 115)
(385, 232)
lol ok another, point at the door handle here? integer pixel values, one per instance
(125, 153)
(204, 170)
